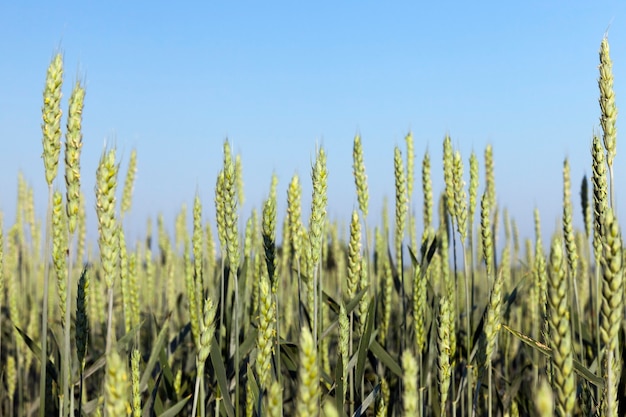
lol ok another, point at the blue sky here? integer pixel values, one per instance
(277, 78)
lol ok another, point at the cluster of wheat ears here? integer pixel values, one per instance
(363, 321)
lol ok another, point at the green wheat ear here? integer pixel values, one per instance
(560, 331)
(401, 204)
(106, 185)
(409, 379)
(307, 401)
(116, 386)
(354, 255)
(607, 102)
(427, 190)
(73, 145)
(443, 351)
(129, 183)
(52, 117)
(360, 178)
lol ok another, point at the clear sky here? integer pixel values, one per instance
(277, 78)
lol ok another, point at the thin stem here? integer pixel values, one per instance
(67, 366)
(468, 332)
(44, 313)
(234, 274)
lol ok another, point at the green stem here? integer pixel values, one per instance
(67, 366)
(44, 313)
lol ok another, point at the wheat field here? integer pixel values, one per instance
(432, 311)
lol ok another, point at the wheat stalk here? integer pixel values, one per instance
(316, 234)
(51, 140)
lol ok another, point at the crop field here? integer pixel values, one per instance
(426, 311)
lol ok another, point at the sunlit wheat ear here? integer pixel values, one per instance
(448, 284)
(52, 117)
(106, 185)
(344, 345)
(220, 212)
(317, 223)
(207, 329)
(401, 204)
(269, 241)
(59, 250)
(492, 320)
(307, 400)
(266, 333)
(364, 282)
(73, 145)
(385, 222)
(181, 234)
(294, 215)
(485, 230)
(318, 206)
(448, 175)
(239, 179)
(383, 401)
(410, 163)
(539, 269)
(360, 178)
(409, 383)
(568, 228)
(129, 183)
(410, 179)
(354, 255)
(443, 352)
(116, 386)
(560, 332)
(250, 399)
(198, 244)
(275, 400)
(608, 109)
(210, 250)
(460, 197)
(419, 307)
(490, 177)
(600, 195)
(612, 283)
(612, 310)
(136, 397)
(427, 190)
(473, 187)
(544, 400)
(11, 375)
(230, 209)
